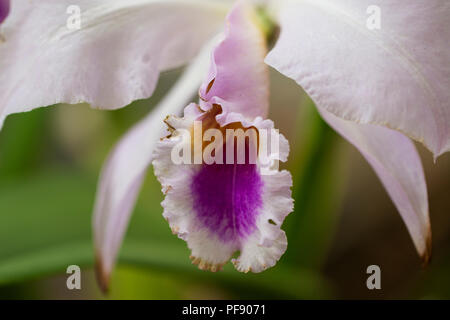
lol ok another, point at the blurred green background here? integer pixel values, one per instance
(343, 221)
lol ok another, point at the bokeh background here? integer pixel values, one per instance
(343, 221)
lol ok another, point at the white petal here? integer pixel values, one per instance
(126, 166)
(397, 76)
(394, 158)
(238, 79)
(113, 59)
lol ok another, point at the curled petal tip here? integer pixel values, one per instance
(427, 254)
(103, 277)
(397, 163)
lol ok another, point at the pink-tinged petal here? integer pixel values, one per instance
(4, 10)
(113, 59)
(397, 76)
(394, 158)
(127, 165)
(219, 209)
(238, 78)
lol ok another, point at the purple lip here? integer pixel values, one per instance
(227, 199)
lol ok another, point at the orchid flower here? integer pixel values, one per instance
(379, 88)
